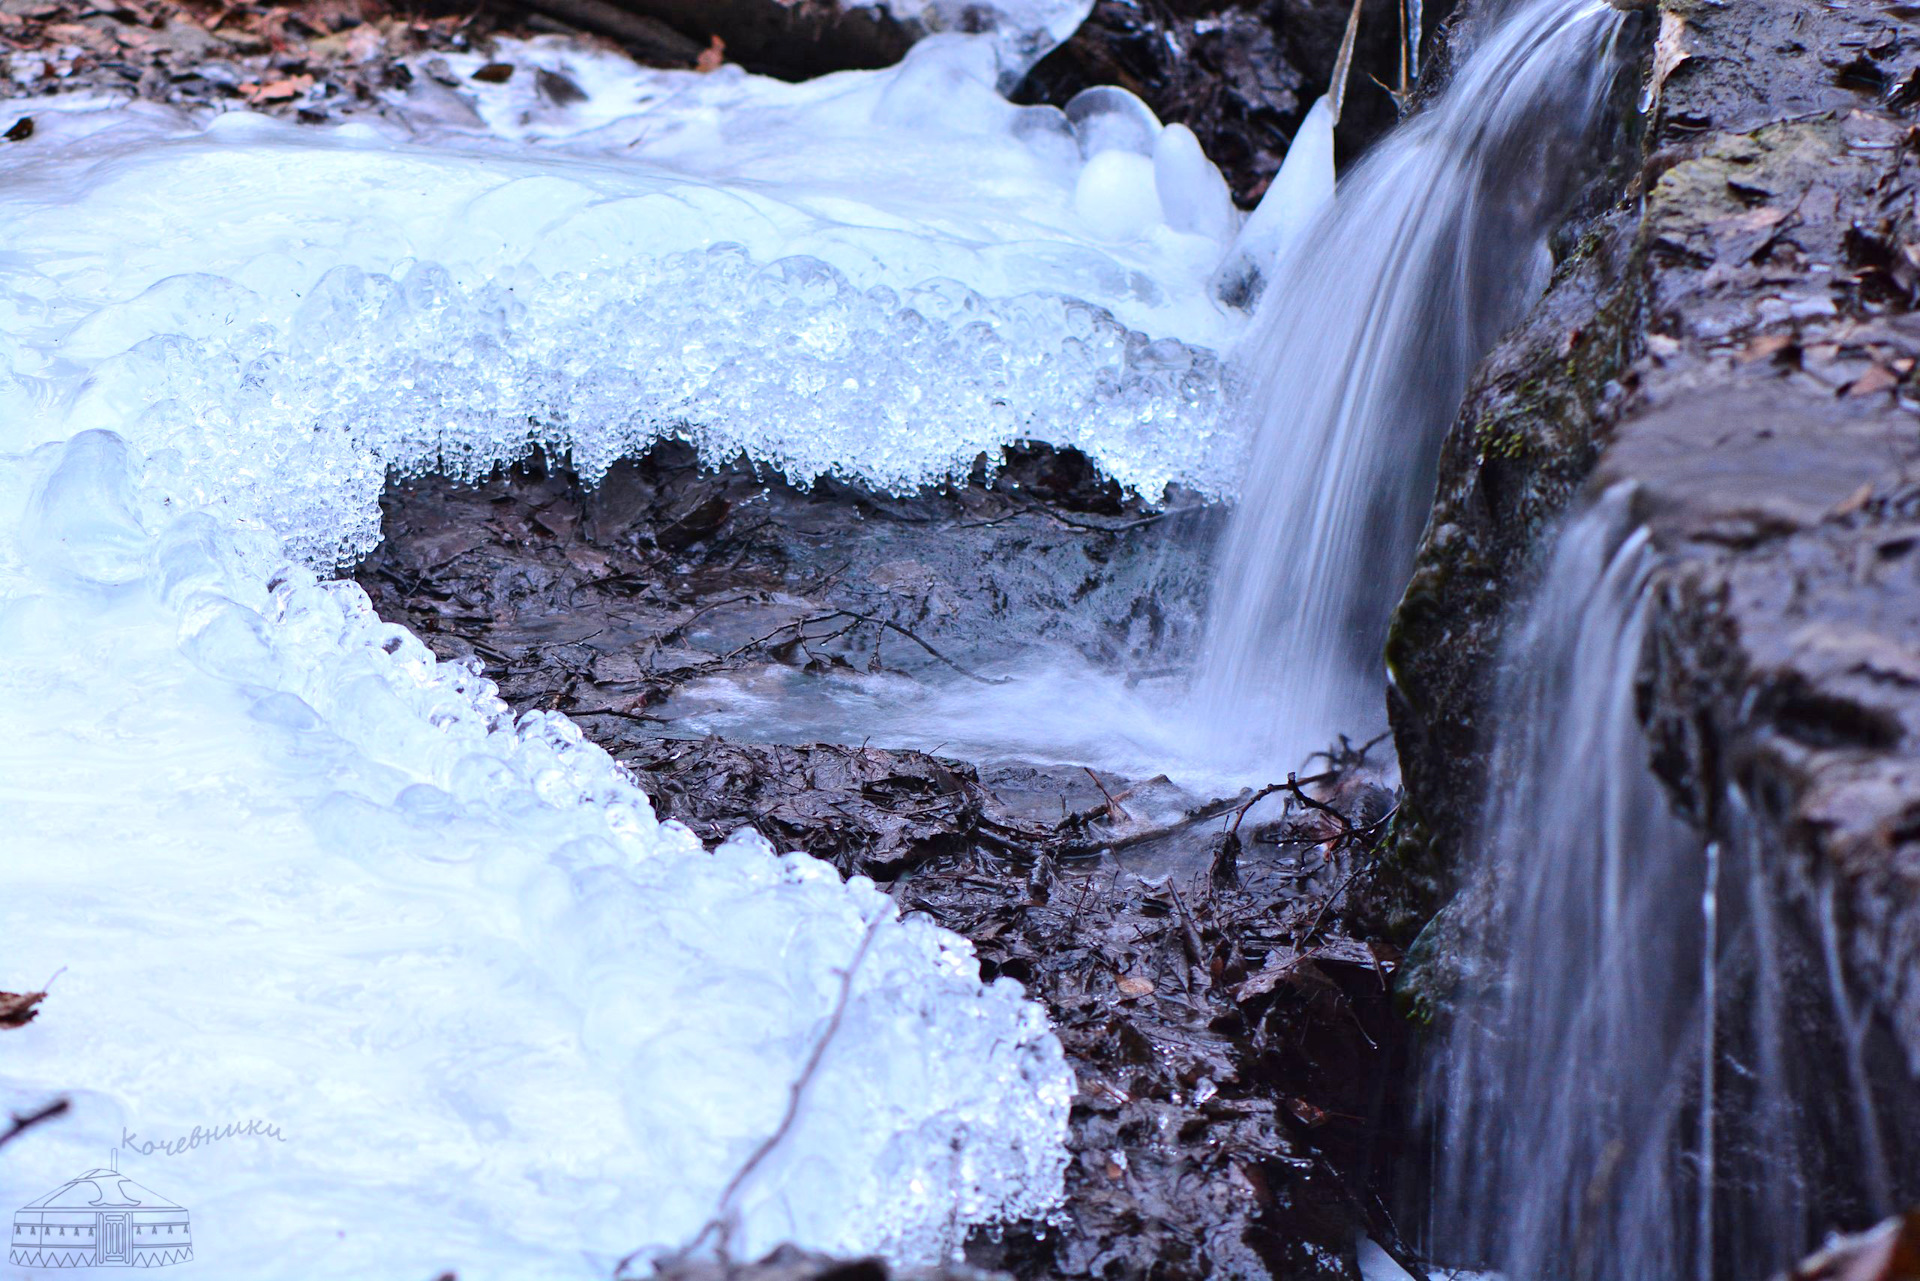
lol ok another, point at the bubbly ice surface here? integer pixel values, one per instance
(881, 275)
(297, 870)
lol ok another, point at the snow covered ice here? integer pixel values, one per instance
(295, 869)
(298, 871)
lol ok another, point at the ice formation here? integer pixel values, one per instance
(298, 871)
(1302, 188)
(877, 274)
(1022, 30)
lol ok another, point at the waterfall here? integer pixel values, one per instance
(1654, 1070)
(1360, 354)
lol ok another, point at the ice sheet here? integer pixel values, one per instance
(299, 872)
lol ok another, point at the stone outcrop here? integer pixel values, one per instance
(1737, 339)
(1240, 74)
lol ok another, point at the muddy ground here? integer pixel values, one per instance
(1223, 993)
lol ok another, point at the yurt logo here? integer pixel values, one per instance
(101, 1219)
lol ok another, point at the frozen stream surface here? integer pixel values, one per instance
(296, 871)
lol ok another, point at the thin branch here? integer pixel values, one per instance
(1320, 807)
(20, 1122)
(1114, 811)
(722, 1223)
(1337, 91)
(970, 675)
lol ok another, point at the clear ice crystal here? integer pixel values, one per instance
(785, 362)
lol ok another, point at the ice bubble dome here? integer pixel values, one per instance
(297, 870)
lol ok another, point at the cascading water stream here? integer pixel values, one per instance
(1648, 1073)
(1361, 352)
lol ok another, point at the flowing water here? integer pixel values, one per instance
(1653, 1075)
(1431, 248)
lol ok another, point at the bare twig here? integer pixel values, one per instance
(20, 1122)
(1114, 811)
(1337, 91)
(615, 711)
(721, 1226)
(1254, 800)
(802, 624)
(1320, 807)
(895, 627)
(1347, 756)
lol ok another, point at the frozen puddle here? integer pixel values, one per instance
(297, 872)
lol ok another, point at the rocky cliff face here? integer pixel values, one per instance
(1737, 339)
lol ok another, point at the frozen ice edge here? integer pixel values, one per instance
(485, 989)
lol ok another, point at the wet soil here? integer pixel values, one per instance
(1218, 975)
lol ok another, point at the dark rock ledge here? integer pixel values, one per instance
(1738, 339)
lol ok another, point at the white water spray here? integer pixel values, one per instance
(1647, 1074)
(1431, 248)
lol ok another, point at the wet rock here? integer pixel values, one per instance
(771, 37)
(1216, 976)
(614, 604)
(1737, 340)
(790, 1264)
(1239, 73)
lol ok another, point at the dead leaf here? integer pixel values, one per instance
(1280, 963)
(1134, 985)
(1889, 1252)
(1752, 220)
(21, 131)
(711, 58)
(16, 1008)
(1669, 51)
(1878, 378)
(79, 34)
(1764, 346)
(494, 73)
(1855, 501)
(1307, 1114)
(277, 90)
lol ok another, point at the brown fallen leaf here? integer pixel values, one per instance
(21, 131)
(1878, 378)
(277, 90)
(16, 1008)
(1306, 1113)
(1889, 1252)
(1752, 220)
(712, 57)
(81, 36)
(1669, 51)
(1855, 501)
(494, 73)
(1764, 346)
(1134, 985)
